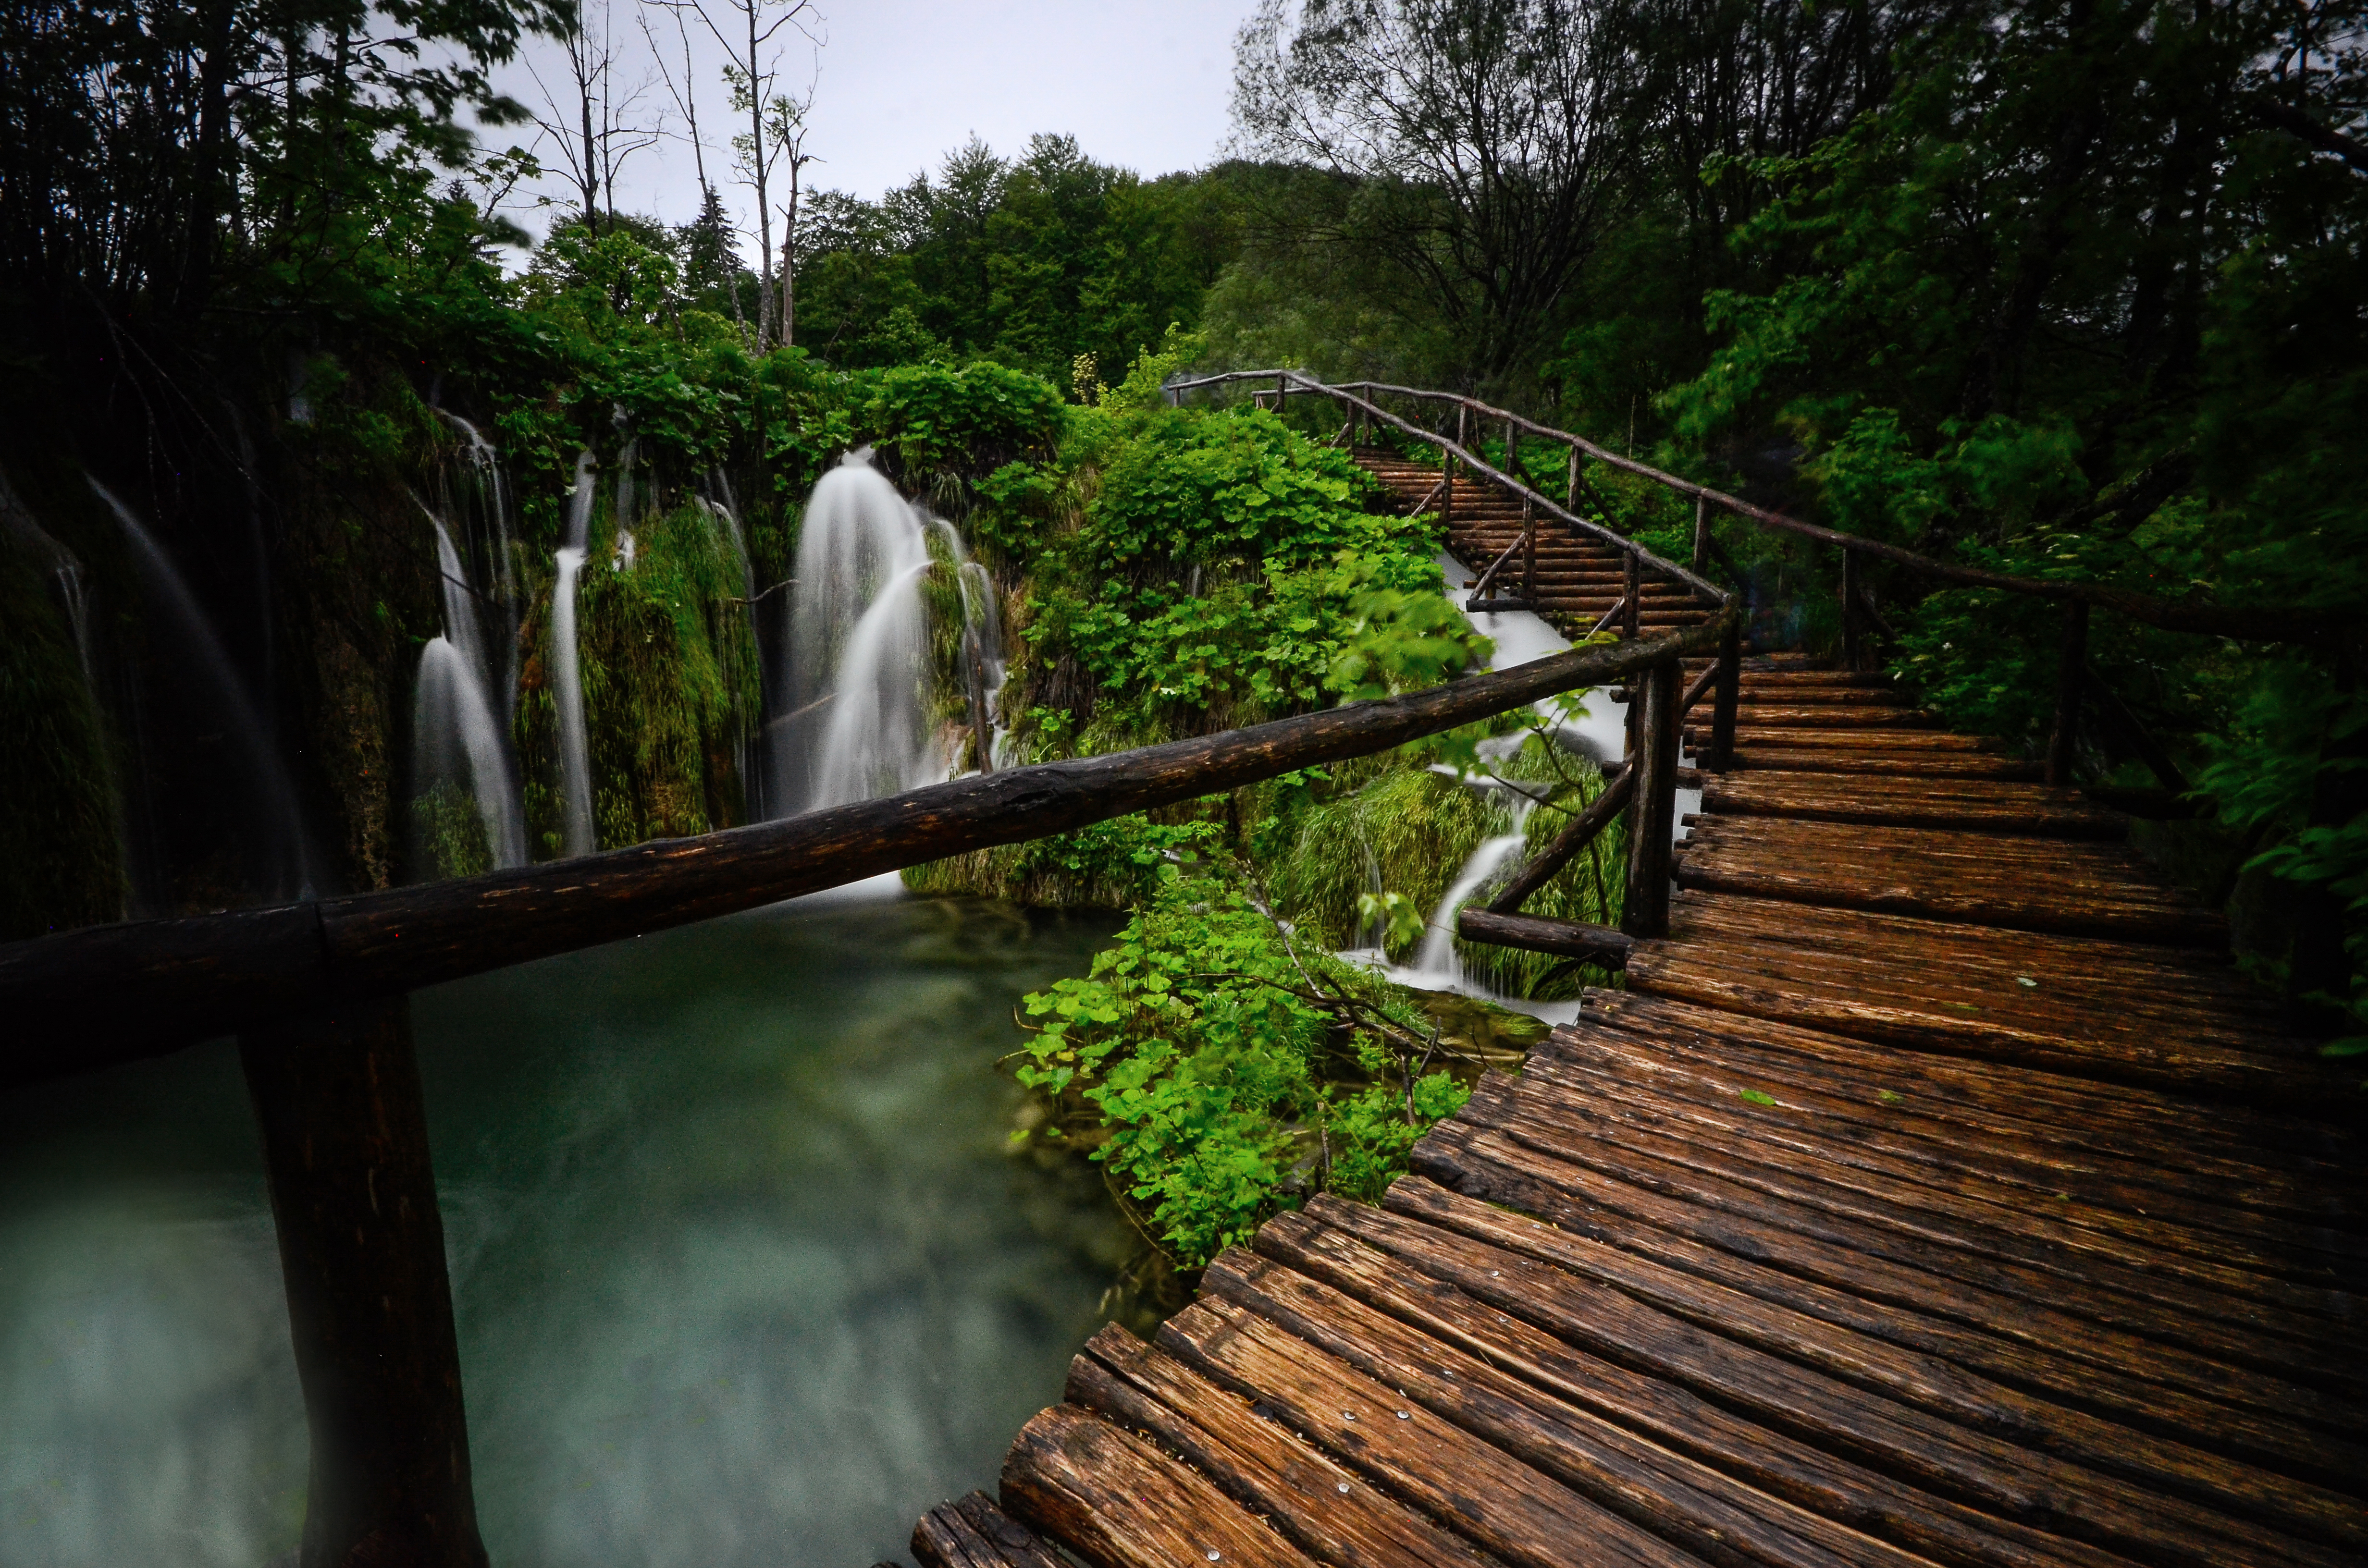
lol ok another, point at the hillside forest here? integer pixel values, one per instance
(298, 422)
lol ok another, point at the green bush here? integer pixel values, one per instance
(1224, 1070)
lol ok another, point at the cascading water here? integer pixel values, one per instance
(291, 871)
(983, 663)
(623, 560)
(459, 736)
(567, 675)
(1436, 960)
(857, 723)
(460, 743)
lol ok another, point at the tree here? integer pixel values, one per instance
(595, 126)
(748, 30)
(1479, 149)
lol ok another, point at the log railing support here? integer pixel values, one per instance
(1576, 835)
(1850, 638)
(1702, 534)
(2071, 668)
(1725, 696)
(361, 1248)
(1570, 485)
(1529, 550)
(1652, 816)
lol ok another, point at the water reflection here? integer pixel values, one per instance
(742, 1273)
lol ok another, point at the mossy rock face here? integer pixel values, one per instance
(671, 686)
(60, 864)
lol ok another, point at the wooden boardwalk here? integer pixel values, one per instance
(1933, 1193)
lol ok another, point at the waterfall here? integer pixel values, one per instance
(458, 737)
(858, 655)
(568, 672)
(575, 766)
(1437, 959)
(981, 648)
(210, 664)
(460, 743)
(623, 561)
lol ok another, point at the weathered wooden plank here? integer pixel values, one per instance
(1789, 738)
(1946, 876)
(2002, 1299)
(2240, 1142)
(1120, 1503)
(2157, 1059)
(2025, 1172)
(1716, 1517)
(2286, 1420)
(1472, 1486)
(974, 1533)
(1918, 1418)
(2059, 997)
(1327, 1511)
(2267, 1173)
(1921, 1236)
(1776, 757)
(1982, 807)
(1748, 1136)
(1832, 716)
(1358, 1284)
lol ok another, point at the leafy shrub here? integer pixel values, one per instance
(1227, 1069)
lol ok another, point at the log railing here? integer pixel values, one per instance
(2077, 686)
(318, 996)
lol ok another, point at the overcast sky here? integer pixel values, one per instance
(898, 84)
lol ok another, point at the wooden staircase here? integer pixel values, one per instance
(1578, 579)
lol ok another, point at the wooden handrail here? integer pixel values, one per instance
(1703, 587)
(2243, 623)
(87, 999)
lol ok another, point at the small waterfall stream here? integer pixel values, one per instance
(461, 739)
(568, 672)
(291, 872)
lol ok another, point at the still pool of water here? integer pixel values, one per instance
(741, 1272)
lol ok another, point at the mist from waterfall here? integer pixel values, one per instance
(204, 659)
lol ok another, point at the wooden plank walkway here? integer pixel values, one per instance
(1579, 579)
(1934, 1193)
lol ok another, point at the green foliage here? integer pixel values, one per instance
(1224, 569)
(1357, 864)
(1227, 1069)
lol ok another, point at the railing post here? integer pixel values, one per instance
(1632, 584)
(1282, 385)
(1850, 609)
(1512, 463)
(1447, 477)
(1570, 485)
(1653, 815)
(2071, 673)
(1725, 696)
(1529, 550)
(1701, 532)
(370, 1307)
